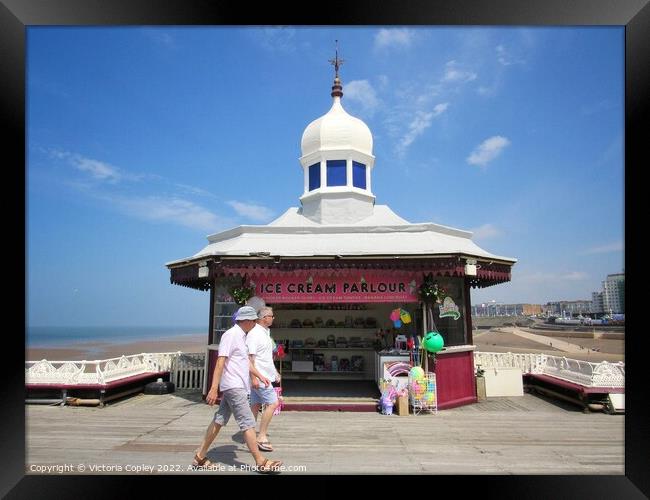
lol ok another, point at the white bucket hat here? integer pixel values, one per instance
(246, 312)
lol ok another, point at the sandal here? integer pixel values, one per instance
(201, 462)
(264, 446)
(269, 466)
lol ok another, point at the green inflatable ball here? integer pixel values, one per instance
(417, 373)
(433, 342)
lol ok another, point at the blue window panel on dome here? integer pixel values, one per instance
(358, 175)
(336, 173)
(314, 176)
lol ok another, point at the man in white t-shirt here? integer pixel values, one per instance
(232, 374)
(260, 350)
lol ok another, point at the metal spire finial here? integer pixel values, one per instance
(336, 62)
(337, 88)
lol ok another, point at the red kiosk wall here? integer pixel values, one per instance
(455, 379)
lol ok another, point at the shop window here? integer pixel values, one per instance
(358, 175)
(314, 176)
(452, 330)
(336, 173)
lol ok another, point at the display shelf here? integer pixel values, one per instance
(325, 372)
(326, 307)
(330, 349)
(326, 328)
(327, 376)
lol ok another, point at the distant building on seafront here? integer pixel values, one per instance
(611, 299)
(568, 307)
(498, 309)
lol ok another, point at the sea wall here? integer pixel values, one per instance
(581, 333)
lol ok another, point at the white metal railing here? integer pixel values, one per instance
(603, 374)
(97, 371)
(188, 370)
(528, 363)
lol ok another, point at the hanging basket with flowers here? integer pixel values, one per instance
(242, 293)
(430, 291)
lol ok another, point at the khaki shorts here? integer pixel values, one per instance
(235, 402)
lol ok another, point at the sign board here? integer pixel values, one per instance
(353, 288)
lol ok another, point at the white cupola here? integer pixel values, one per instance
(337, 163)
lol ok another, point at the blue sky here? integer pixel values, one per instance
(141, 141)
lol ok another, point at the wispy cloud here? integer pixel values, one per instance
(546, 277)
(383, 81)
(391, 38)
(507, 57)
(160, 37)
(167, 210)
(610, 248)
(484, 232)
(257, 213)
(575, 276)
(455, 74)
(488, 150)
(419, 124)
(275, 39)
(98, 170)
(108, 183)
(362, 91)
(596, 107)
(194, 191)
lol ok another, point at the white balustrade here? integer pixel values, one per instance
(586, 373)
(188, 370)
(97, 371)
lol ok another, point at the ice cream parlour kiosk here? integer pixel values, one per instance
(336, 317)
(341, 270)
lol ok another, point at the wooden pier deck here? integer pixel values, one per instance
(157, 434)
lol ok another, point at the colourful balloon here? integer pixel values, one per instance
(433, 342)
(405, 316)
(416, 373)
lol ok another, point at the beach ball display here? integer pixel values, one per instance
(417, 389)
(433, 342)
(416, 373)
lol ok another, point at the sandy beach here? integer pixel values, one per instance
(609, 350)
(485, 341)
(103, 350)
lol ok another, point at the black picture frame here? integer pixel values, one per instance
(16, 15)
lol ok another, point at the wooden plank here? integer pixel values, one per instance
(523, 435)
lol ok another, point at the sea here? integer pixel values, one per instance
(60, 336)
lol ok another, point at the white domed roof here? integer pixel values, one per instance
(336, 130)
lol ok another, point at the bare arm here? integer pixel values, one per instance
(255, 375)
(211, 398)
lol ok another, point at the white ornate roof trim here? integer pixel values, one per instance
(361, 239)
